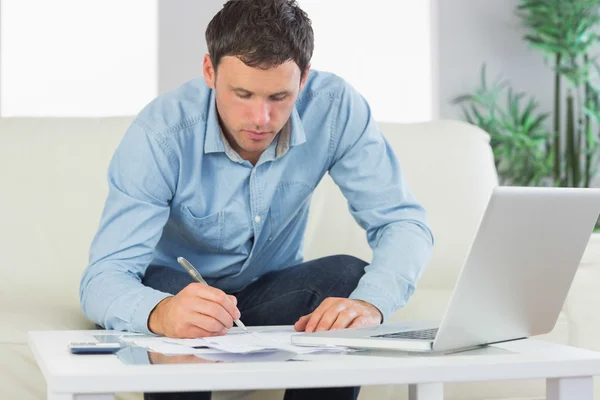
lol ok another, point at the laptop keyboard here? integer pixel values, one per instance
(424, 334)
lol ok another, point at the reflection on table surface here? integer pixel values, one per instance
(159, 358)
(134, 355)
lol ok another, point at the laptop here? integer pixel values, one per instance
(513, 283)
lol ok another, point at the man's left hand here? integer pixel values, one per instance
(339, 313)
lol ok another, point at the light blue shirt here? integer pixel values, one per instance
(176, 188)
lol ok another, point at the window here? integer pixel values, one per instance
(77, 58)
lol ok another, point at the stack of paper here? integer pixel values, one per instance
(239, 343)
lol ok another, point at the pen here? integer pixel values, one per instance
(196, 275)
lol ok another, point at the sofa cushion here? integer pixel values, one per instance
(19, 318)
(53, 176)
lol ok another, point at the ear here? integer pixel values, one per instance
(209, 71)
(304, 76)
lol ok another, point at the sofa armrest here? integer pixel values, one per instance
(583, 299)
(591, 256)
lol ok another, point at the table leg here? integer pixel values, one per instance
(580, 388)
(426, 391)
(71, 396)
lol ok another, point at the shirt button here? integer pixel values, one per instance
(257, 219)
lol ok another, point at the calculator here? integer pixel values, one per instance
(94, 348)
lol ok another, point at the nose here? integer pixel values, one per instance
(260, 114)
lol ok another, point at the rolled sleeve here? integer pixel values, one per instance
(141, 179)
(142, 309)
(368, 173)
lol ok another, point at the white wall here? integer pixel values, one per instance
(181, 43)
(383, 48)
(467, 33)
(471, 32)
(90, 60)
(0, 58)
(77, 58)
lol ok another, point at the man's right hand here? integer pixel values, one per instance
(196, 311)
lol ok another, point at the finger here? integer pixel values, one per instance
(316, 316)
(214, 311)
(192, 330)
(208, 324)
(196, 332)
(233, 300)
(300, 325)
(363, 321)
(329, 317)
(215, 295)
(345, 318)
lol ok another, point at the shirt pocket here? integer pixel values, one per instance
(203, 232)
(291, 201)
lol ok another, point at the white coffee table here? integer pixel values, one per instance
(568, 370)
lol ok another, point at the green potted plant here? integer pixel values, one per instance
(538, 147)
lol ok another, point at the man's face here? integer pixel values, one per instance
(253, 103)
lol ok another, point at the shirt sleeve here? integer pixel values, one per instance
(368, 173)
(142, 176)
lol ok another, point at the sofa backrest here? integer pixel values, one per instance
(53, 180)
(450, 168)
(53, 187)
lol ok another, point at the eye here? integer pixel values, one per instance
(280, 98)
(243, 96)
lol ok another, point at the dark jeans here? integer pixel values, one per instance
(277, 298)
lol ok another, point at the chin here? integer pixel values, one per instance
(251, 145)
(256, 149)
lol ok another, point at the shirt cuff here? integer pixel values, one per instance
(385, 302)
(142, 310)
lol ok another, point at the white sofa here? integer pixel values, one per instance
(52, 190)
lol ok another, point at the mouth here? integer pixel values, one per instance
(256, 135)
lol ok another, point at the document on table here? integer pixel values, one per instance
(239, 342)
(158, 346)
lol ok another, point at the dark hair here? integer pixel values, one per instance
(261, 33)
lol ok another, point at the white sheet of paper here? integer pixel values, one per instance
(185, 342)
(239, 342)
(167, 348)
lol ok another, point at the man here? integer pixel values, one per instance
(220, 171)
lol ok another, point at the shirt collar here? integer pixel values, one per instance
(212, 140)
(292, 134)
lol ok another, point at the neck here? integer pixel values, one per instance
(252, 157)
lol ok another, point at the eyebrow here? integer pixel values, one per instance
(239, 89)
